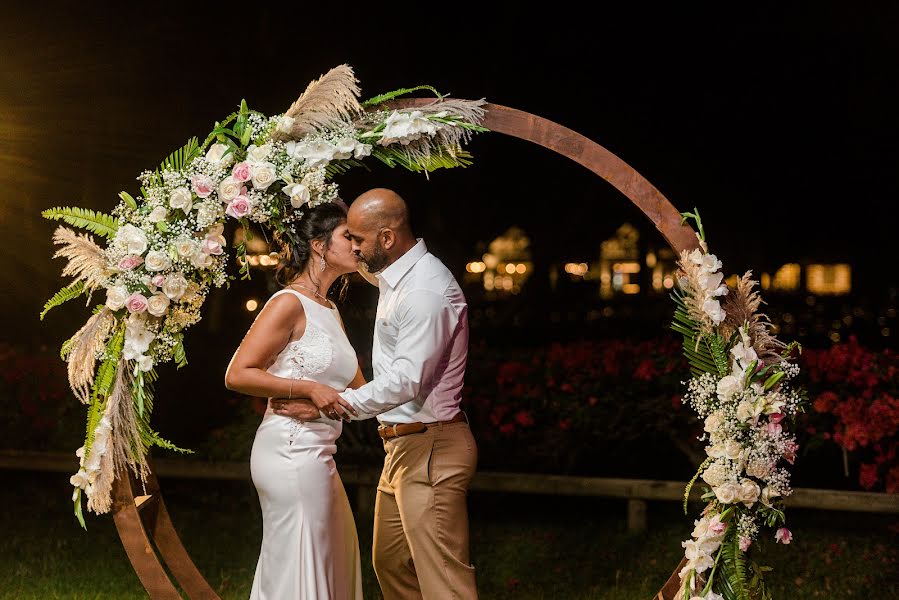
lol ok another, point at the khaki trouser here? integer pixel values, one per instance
(420, 545)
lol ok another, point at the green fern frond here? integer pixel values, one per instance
(64, 295)
(441, 158)
(180, 158)
(733, 583)
(719, 353)
(386, 97)
(342, 166)
(84, 218)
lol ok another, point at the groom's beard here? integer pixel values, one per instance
(377, 261)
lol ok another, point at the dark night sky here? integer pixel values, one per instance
(780, 124)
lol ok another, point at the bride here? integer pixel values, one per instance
(295, 348)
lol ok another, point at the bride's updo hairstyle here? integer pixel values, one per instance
(317, 223)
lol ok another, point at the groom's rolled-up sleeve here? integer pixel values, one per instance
(426, 322)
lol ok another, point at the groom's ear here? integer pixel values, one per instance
(388, 238)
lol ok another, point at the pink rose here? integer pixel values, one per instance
(202, 185)
(783, 536)
(136, 303)
(745, 543)
(774, 429)
(158, 280)
(130, 261)
(239, 207)
(212, 246)
(242, 172)
(776, 417)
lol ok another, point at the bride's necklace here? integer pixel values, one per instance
(317, 295)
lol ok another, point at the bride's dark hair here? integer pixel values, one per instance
(317, 223)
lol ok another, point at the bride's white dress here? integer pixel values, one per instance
(310, 550)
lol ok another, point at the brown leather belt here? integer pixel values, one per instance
(388, 431)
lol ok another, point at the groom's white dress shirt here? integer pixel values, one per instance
(420, 343)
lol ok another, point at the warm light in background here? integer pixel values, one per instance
(476, 267)
(578, 269)
(252, 305)
(829, 279)
(786, 279)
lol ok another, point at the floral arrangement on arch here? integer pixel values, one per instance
(165, 249)
(741, 388)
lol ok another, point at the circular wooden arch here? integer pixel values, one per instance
(139, 511)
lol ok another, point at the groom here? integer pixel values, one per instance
(419, 354)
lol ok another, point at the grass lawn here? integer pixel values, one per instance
(523, 547)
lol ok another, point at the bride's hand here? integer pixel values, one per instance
(301, 410)
(330, 403)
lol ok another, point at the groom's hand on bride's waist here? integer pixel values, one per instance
(295, 408)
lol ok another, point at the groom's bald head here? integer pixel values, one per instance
(380, 207)
(378, 223)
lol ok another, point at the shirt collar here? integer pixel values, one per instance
(392, 274)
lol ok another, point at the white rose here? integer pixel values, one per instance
(728, 386)
(285, 124)
(115, 297)
(299, 194)
(744, 411)
(258, 154)
(185, 246)
(157, 261)
(768, 495)
(757, 468)
(714, 421)
(715, 474)
(264, 175)
(200, 260)
(158, 214)
(158, 304)
(144, 363)
(181, 198)
(135, 239)
(345, 148)
(732, 449)
(220, 154)
(229, 189)
(749, 492)
(207, 213)
(727, 493)
(174, 286)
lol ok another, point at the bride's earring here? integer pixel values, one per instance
(322, 264)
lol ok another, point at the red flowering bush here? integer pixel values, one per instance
(36, 407)
(855, 404)
(559, 408)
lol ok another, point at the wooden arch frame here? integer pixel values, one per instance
(143, 521)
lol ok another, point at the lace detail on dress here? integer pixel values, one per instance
(307, 356)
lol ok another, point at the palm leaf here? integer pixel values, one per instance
(394, 156)
(84, 218)
(64, 295)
